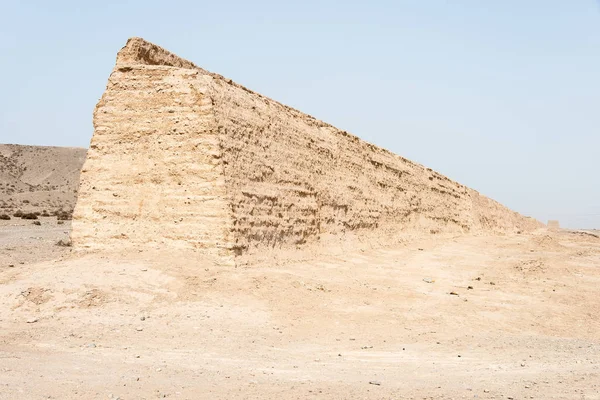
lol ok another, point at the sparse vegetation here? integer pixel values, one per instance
(64, 216)
(4, 217)
(29, 216)
(18, 214)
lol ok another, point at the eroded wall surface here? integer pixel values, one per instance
(293, 179)
(152, 174)
(184, 157)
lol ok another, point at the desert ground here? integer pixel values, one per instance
(441, 317)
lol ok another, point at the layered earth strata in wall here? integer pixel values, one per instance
(182, 157)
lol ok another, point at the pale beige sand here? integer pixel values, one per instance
(304, 329)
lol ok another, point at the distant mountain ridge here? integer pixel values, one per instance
(37, 178)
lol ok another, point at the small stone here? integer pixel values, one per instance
(454, 293)
(158, 369)
(522, 364)
(32, 320)
(139, 329)
(142, 318)
(91, 345)
(469, 287)
(376, 383)
(485, 391)
(11, 265)
(144, 269)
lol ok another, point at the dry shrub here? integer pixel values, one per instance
(4, 217)
(64, 216)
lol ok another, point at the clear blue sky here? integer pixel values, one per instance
(502, 96)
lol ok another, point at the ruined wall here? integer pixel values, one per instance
(152, 174)
(293, 179)
(181, 156)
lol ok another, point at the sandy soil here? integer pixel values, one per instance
(371, 324)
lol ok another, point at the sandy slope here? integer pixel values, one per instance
(147, 325)
(37, 178)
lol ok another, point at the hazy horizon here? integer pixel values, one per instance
(500, 97)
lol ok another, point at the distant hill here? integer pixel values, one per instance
(37, 178)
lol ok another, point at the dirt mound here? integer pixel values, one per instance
(38, 178)
(546, 241)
